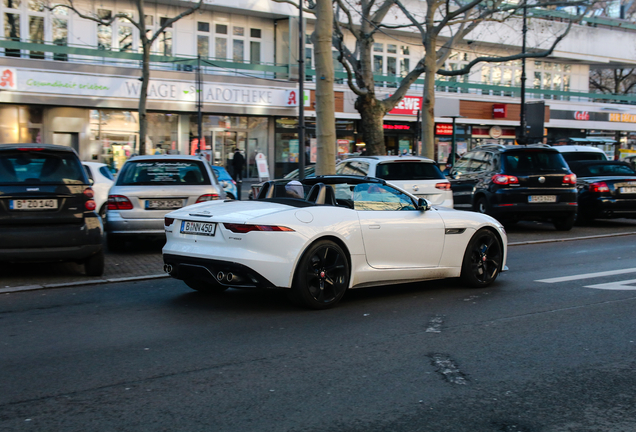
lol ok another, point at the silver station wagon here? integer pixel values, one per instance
(148, 187)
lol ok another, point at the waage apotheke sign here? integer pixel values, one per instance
(165, 90)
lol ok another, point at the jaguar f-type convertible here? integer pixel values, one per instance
(321, 236)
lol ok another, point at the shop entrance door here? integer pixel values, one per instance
(69, 139)
(224, 144)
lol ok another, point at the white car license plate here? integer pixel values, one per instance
(201, 228)
(542, 199)
(163, 204)
(33, 204)
(628, 190)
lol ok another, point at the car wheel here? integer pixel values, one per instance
(481, 205)
(115, 243)
(482, 260)
(94, 265)
(564, 224)
(322, 276)
(102, 212)
(204, 287)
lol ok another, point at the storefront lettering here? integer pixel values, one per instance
(581, 115)
(623, 118)
(219, 94)
(68, 85)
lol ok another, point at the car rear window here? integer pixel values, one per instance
(163, 173)
(408, 171)
(37, 167)
(581, 156)
(533, 161)
(592, 170)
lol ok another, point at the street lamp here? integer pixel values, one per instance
(301, 93)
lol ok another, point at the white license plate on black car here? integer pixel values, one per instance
(33, 204)
(542, 199)
(164, 204)
(200, 228)
(628, 190)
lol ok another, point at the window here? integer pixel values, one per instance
(149, 20)
(104, 32)
(379, 197)
(221, 29)
(203, 27)
(164, 42)
(255, 33)
(59, 34)
(238, 31)
(203, 46)
(255, 52)
(378, 47)
(238, 50)
(220, 42)
(391, 49)
(12, 32)
(125, 38)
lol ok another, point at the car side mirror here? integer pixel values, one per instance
(423, 204)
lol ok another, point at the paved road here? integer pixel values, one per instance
(523, 355)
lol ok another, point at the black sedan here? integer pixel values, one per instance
(606, 189)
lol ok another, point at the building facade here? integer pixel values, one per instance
(67, 80)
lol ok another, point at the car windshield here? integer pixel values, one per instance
(35, 167)
(602, 170)
(163, 173)
(581, 156)
(533, 161)
(408, 171)
(222, 173)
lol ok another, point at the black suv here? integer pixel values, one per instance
(47, 211)
(513, 183)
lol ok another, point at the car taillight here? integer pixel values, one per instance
(599, 187)
(168, 221)
(90, 205)
(207, 197)
(242, 228)
(443, 186)
(569, 179)
(30, 149)
(502, 179)
(119, 202)
(89, 193)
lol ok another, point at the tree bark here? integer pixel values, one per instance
(371, 123)
(428, 99)
(325, 101)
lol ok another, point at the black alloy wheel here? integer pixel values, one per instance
(322, 276)
(481, 206)
(482, 260)
(204, 287)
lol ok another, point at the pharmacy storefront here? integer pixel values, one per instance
(98, 116)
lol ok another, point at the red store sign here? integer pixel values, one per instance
(396, 127)
(409, 105)
(581, 115)
(499, 110)
(443, 129)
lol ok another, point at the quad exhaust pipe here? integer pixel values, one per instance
(222, 277)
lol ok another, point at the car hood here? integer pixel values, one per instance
(229, 211)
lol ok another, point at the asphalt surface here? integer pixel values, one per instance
(524, 355)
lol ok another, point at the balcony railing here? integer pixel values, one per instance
(211, 66)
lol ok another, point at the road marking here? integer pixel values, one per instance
(557, 240)
(587, 276)
(435, 324)
(448, 369)
(616, 286)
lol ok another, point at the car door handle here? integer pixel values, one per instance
(374, 226)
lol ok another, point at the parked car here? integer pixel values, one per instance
(573, 153)
(320, 236)
(607, 189)
(226, 181)
(513, 183)
(148, 187)
(101, 179)
(416, 175)
(631, 160)
(47, 210)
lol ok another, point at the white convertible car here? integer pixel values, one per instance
(319, 237)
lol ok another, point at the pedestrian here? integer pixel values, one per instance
(238, 161)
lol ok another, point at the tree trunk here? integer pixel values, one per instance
(428, 103)
(325, 101)
(143, 96)
(371, 122)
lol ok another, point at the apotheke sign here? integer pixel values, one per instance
(165, 90)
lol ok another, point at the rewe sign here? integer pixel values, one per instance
(409, 105)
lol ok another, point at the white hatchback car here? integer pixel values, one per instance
(416, 175)
(101, 181)
(573, 153)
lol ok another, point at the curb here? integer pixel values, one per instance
(80, 283)
(163, 275)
